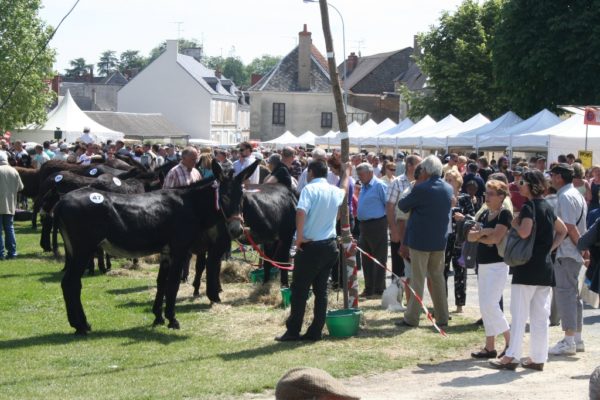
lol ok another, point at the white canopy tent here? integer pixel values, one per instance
(540, 121)
(470, 139)
(563, 138)
(307, 138)
(71, 120)
(286, 139)
(393, 140)
(414, 139)
(440, 139)
(376, 140)
(366, 134)
(357, 134)
(334, 138)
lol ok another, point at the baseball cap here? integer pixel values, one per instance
(518, 170)
(562, 168)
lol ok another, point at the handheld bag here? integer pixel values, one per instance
(518, 251)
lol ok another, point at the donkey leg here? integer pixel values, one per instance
(213, 272)
(100, 257)
(178, 258)
(46, 233)
(161, 283)
(54, 238)
(108, 262)
(71, 288)
(200, 267)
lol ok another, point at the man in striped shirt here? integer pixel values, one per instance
(185, 173)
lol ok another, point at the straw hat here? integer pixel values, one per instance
(310, 383)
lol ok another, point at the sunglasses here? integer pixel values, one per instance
(391, 168)
(522, 182)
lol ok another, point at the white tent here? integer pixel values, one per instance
(469, 139)
(440, 139)
(415, 137)
(71, 120)
(375, 141)
(367, 134)
(393, 140)
(357, 135)
(286, 139)
(542, 120)
(563, 138)
(307, 138)
(326, 138)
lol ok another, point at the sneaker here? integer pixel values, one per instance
(562, 348)
(580, 346)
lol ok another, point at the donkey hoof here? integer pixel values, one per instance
(173, 324)
(88, 327)
(158, 321)
(81, 332)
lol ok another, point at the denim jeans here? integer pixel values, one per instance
(7, 228)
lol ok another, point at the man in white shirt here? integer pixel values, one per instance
(87, 137)
(86, 158)
(246, 159)
(318, 155)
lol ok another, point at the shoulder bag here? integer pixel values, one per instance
(518, 250)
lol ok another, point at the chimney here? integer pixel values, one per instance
(304, 53)
(172, 48)
(255, 78)
(351, 63)
(56, 84)
(416, 47)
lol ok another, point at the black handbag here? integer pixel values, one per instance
(518, 250)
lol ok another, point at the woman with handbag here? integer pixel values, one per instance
(493, 272)
(532, 281)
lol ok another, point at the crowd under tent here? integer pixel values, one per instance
(68, 118)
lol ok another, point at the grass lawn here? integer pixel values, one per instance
(220, 352)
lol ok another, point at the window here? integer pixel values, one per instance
(278, 113)
(326, 119)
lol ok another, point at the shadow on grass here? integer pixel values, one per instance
(273, 348)
(464, 365)
(130, 290)
(137, 334)
(493, 378)
(180, 307)
(592, 319)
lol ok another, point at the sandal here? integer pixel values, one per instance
(527, 363)
(498, 364)
(485, 353)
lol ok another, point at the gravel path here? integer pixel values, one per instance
(466, 379)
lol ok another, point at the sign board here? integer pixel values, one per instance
(591, 116)
(586, 158)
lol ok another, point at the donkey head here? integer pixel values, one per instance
(230, 195)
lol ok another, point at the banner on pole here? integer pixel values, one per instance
(586, 158)
(592, 116)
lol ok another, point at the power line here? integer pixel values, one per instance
(18, 82)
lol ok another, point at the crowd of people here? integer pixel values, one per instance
(432, 215)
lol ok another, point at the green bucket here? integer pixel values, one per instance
(257, 275)
(343, 323)
(286, 297)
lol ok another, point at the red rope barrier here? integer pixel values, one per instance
(262, 255)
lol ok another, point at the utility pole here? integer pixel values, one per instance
(350, 273)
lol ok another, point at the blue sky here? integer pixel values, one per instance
(243, 28)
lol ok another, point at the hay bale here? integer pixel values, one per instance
(266, 294)
(235, 272)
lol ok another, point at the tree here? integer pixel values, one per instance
(108, 63)
(23, 35)
(130, 60)
(262, 65)
(78, 68)
(457, 58)
(545, 53)
(183, 44)
(231, 67)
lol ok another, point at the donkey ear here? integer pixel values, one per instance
(217, 170)
(247, 173)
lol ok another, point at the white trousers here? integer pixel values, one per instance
(533, 303)
(491, 282)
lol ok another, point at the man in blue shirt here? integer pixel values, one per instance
(373, 229)
(316, 249)
(429, 204)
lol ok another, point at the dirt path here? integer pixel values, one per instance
(467, 379)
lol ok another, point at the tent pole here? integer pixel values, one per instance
(586, 135)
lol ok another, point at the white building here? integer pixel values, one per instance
(203, 103)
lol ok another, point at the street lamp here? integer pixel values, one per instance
(343, 48)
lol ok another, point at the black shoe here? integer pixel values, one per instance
(485, 353)
(311, 338)
(479, 321)
(403, 323)
(286, 337)
(503, 352)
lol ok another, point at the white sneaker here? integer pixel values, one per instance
(562, 348)
(580, 346)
